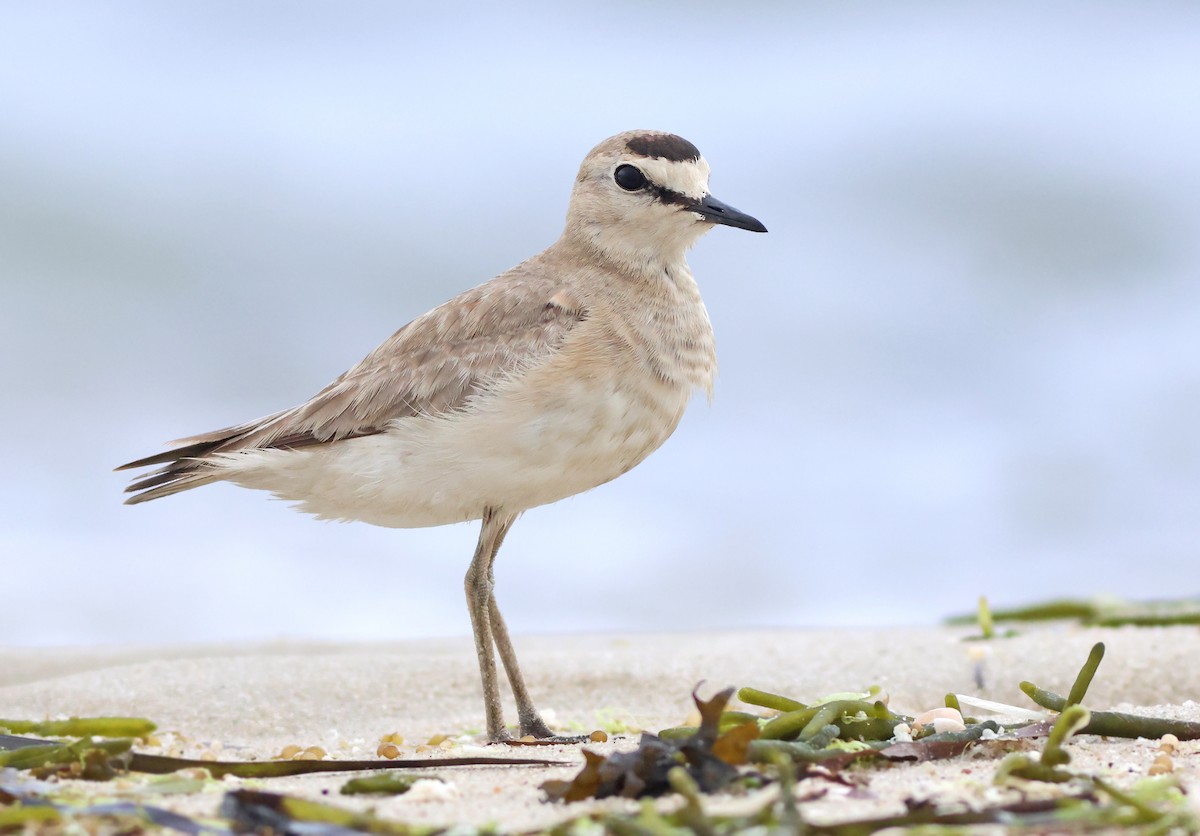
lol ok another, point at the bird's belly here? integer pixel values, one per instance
(515, 451)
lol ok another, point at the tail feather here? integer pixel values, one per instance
(197, 461)
(188, 466)
(169, 481)
(191, 451)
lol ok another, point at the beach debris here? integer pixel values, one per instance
(708, 758)
(26, 817)
(292, 752)
(384, 783)
(82, 727)
(1098, 612)
(259, 811)
(944, 719)
(986, 623)
(944, 745)
(85, 758)
(1048, 765)
(1118, 723)
(1083, 802)
(1110, 723)
(856, 716)
(1151, 805)
(1163, 764)
(1005, 713)
(724, 748)
(27, 804)
(776, 702)
(102, 759)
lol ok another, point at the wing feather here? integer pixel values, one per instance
(432, 366)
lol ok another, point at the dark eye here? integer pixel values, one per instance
(629, 178)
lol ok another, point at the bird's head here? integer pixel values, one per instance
(641, 199)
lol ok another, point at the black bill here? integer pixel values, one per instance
(715, 211)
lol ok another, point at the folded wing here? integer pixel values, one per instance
(432, 366)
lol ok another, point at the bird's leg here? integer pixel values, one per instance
(531, 721)
(479, 595)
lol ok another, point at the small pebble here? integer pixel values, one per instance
(598, 736)
(432, 790)
(388, 750)
(942, 720)
(437, 739)
(289, 752)
(1163, 765)
(942, 725)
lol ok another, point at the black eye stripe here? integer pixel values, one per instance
(665, 195)
(633, 179)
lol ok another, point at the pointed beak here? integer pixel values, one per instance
(714, 211)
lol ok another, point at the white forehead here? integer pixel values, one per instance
(689, 177)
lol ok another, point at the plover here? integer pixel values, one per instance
(552, 378)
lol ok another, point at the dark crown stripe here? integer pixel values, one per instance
(665, 146)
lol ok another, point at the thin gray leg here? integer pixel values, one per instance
(531, 721)
(478, 585)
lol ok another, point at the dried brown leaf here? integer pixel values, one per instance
(709, 757)
(734, 744)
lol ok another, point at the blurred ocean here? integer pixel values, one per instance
(965, 360)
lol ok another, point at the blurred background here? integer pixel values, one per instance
(965, 360)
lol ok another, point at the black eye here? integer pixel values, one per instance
(629, 178)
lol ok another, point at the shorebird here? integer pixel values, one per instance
(552, 378)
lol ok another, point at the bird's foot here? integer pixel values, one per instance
(534, 732)
(535, 727)
(552, 740)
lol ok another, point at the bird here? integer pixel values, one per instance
(556, 376)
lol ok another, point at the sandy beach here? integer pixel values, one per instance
(250, 701)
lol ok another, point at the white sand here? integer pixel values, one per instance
(243, 702)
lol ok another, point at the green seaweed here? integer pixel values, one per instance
(753, 696)
(82, 727)
(1084, 679)
(1098, 613)
(77, 752)
(20, 815)
(1109, 723)
(272, 812)
(1117, 723)
(857, 719)
(384, 783)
